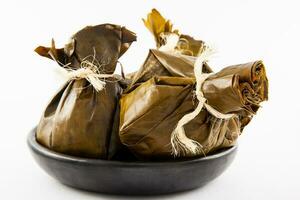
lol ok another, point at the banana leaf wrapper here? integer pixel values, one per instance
(150, 112)
(249, 78)
(162, 28)
(159, 63)
(244, 87)
(103, 43)
(79, 120)
(186, 46)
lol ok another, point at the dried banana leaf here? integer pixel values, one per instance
(244, 87)
(252, 73)
(161, 29)
(187, 45)
(159, 63)
(103, 44)
(150, 113)
(79, 121)
(158, 25)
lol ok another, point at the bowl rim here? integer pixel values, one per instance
(44, 151)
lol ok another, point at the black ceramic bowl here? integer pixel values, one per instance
(130, 178)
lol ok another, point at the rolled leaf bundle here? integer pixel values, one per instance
(151, 112)
(243, 88)
(163, 33)
(82, 118)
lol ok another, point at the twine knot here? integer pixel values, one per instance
(89, 71)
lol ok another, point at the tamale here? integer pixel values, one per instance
(150, 112)
(80, 120)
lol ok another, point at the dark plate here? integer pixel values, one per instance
(130, 178)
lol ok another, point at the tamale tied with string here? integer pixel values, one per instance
(82, 117)
(157, 101)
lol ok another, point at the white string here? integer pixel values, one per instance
(90, 72)
(181, 144)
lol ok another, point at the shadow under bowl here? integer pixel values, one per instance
(130, 178)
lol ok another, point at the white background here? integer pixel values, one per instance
(268, 162)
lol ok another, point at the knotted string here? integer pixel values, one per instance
(181, 144)
(88, 70)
